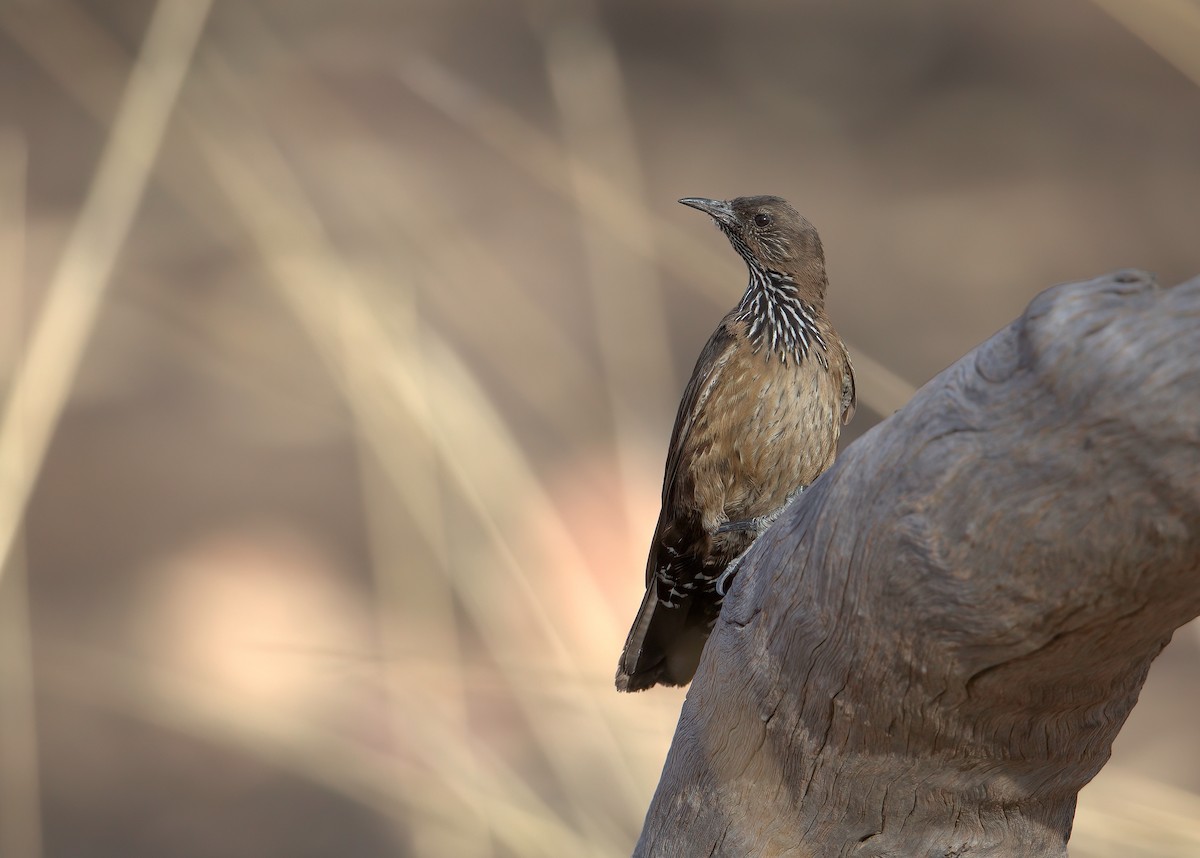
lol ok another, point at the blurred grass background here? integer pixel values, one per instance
(340, 344)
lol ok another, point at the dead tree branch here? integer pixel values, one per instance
(932, 652)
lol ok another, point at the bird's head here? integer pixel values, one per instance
(769, 234)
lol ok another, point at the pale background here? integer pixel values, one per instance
(341, 342)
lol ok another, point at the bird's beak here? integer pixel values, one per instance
(719, 210)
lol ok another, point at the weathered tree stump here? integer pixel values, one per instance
(933, 650)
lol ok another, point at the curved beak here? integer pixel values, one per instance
(718, 210)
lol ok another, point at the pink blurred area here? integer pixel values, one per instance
(335, 542)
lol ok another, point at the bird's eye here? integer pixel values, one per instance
(762, 219)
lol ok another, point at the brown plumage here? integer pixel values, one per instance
(759, 421)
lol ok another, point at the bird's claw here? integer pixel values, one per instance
(726, 577)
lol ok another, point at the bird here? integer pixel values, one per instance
(759, 421)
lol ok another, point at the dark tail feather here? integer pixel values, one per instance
(663, 647)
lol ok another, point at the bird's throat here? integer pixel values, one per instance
(778, 321)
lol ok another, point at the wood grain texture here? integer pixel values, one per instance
(933, 650)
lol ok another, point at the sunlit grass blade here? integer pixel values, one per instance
(55, 346)
(627, 297)
(1171, 28)
(20, 781)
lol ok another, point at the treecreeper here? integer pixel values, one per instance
(759, 421)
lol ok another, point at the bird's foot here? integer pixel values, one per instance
(760, 524)
(757, 526)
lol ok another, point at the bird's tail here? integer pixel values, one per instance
(664, 645)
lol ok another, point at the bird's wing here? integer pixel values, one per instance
(668, 532)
